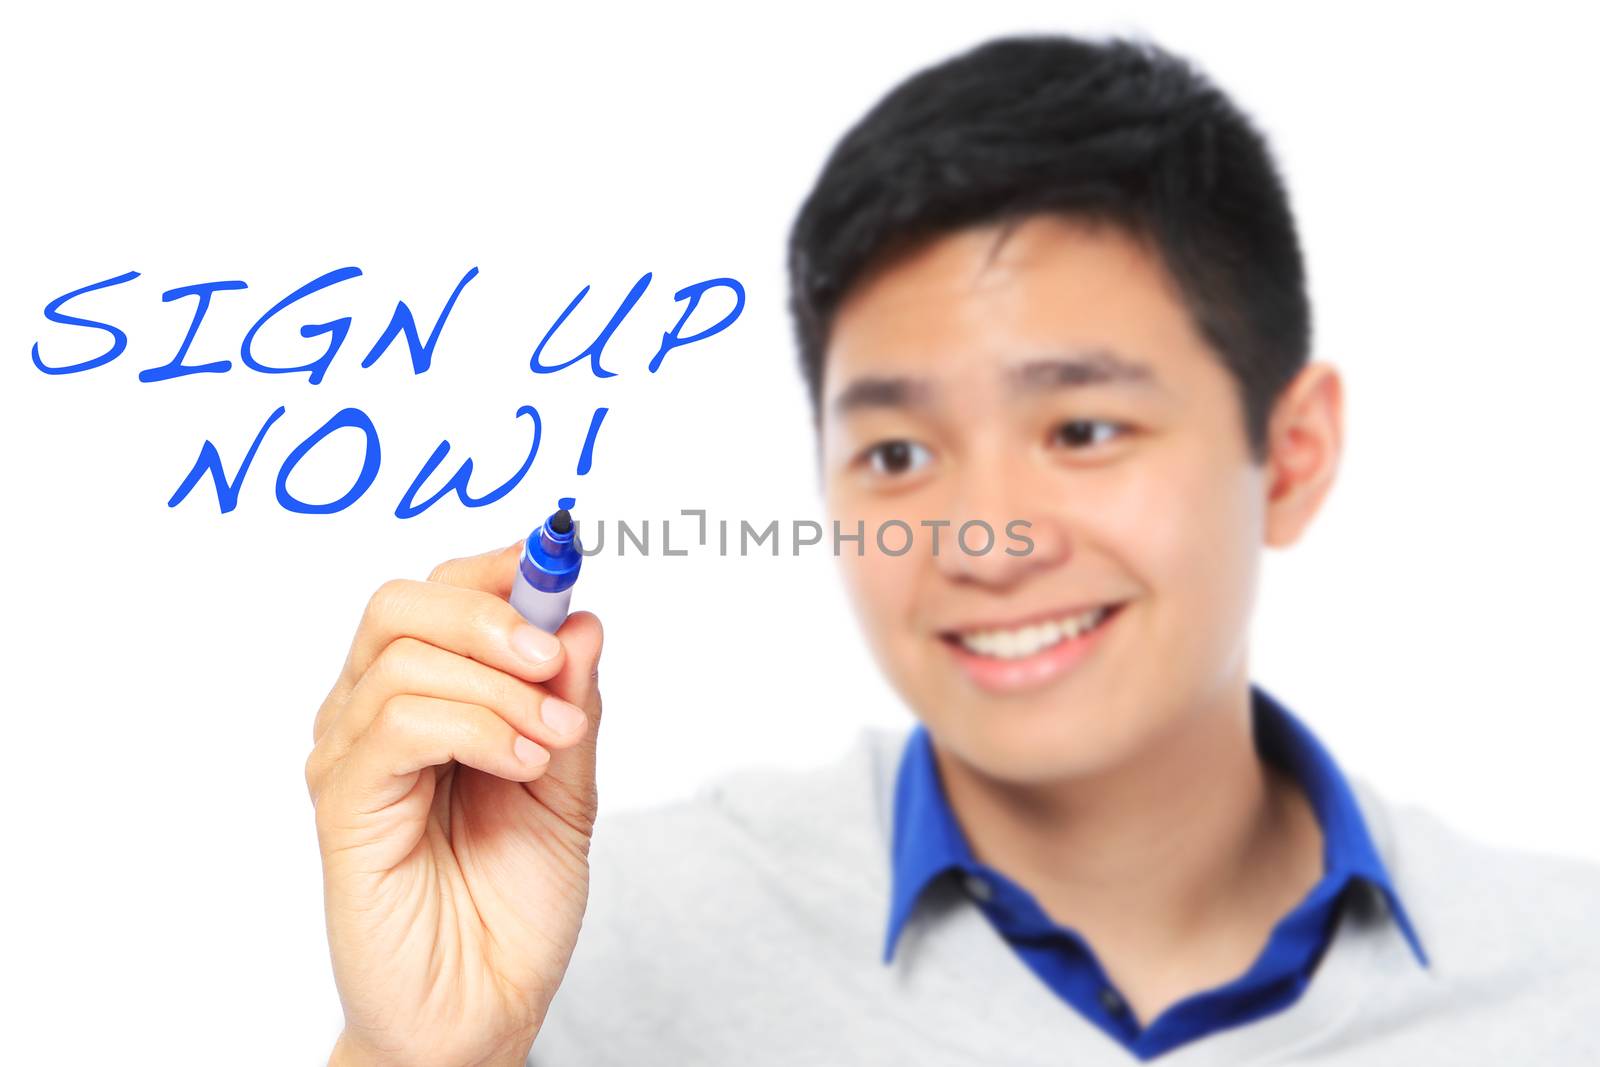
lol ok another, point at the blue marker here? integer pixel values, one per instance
(549, 566)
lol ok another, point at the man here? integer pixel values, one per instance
(1052, 281)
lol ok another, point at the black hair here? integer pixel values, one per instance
(1118, 131)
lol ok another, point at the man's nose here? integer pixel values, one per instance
(1003, 530)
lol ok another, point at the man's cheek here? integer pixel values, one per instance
(1136, 517)
(1158, 517)
(871, 588)
(889, 593)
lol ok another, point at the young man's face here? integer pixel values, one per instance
(1058, 381)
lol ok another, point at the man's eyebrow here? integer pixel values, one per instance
(1090, 366)
(1094, 366)
(881, 393)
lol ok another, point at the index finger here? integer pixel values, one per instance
(491, 572)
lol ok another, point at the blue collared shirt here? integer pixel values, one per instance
(929, 844)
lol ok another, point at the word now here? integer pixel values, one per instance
(210, 462)
(402, 324)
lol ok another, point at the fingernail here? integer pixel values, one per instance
(560, 716)
(528, 752)
(533, 644)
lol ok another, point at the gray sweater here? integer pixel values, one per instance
(745, 926)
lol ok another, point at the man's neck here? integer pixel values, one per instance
(1177, 864)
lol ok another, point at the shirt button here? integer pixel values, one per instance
(1110, 1000)
(979, 887)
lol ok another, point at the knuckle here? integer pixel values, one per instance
(313, 773)
(465, 727)
(480, 725)
(393, 659)
(484, 621)
(474, 680)
(323, 719)
(395, 716)
(325, 816)
(505, 693)
(443, 571)
(386, 599)
(333, 708)
(406, 647)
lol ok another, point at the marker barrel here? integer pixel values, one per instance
(551, 556)
(547, 611)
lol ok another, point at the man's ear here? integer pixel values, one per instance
(1304, 439)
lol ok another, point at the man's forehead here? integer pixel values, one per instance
(991, 261)
(1054, 304)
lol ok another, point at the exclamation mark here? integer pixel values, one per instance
(586, 457)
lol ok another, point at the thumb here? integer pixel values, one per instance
(568, 784)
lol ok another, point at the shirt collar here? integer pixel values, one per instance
(927, 840)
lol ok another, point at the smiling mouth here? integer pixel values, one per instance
(1030, 639)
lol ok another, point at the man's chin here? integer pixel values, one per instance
(1029, 743)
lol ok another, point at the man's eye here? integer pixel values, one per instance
(1082, 433)
(896, 457)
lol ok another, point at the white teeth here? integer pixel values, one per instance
(1029, 640)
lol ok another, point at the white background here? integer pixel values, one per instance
(163, 666)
